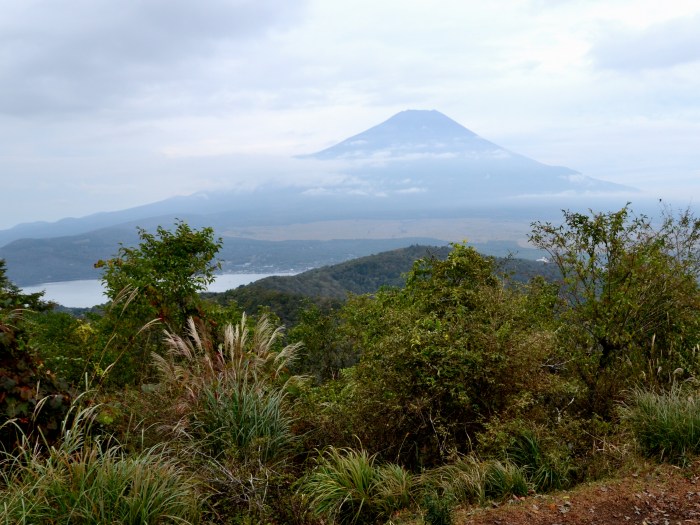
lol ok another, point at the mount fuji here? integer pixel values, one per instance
(417, 175)
(420, 151)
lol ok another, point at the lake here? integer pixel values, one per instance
(83, 294)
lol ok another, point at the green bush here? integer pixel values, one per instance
(348, 487)
(440, 357)
(463, 481)
(544, 469)
(151, 286)
(666, 424)
(632, 296)
(243, 420)
(89, 481)
(438, 510)
(503, 479)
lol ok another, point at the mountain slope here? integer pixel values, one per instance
(286, 296)
(426, 151)
(36, 261)
(418, 168)
(416, 162)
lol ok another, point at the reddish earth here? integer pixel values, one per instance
(663, 495)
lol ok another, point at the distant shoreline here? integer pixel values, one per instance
(85, 293)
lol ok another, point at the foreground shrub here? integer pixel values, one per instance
(463, 481)
(666, 425)
(224, 403)
(544, 469)
(24, 378)
(440, 357)
(505, 479)
(229, 398)
(85, 481)
(437, 510)
(632, 295)
(347, 486)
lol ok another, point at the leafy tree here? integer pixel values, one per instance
(440, 357)
(630, 294)
(24, 380)
(327, 349)
(12, 297)
(67, 344)
(157, 282)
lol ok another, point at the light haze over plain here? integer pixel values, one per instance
(106, 105)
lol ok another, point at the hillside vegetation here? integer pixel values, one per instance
(329, 286)
(401, 391)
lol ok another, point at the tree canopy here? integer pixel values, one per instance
(629, 288)
(157, 282)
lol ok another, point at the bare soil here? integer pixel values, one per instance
(658, 495)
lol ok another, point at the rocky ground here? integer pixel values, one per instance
(659, 495)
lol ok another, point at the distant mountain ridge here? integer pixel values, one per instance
(411, 131)
(424, 150)
(418, 167)
(286, 296)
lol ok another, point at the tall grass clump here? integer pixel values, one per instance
(243, 421)
(503, 479)
(469, 480)
(348, 487)
(462, 481)
(85, 480)
(224, 402)
(229, 398)
(545, 471)
(666, 425)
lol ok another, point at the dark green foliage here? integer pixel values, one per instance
(154, 285)
(67, 345)
(443, 355)
(327, 349)
(438, 509)
(665, 424)
(257, 299)
(25, 382)
(631, 297)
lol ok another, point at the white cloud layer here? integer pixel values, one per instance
(105, 105)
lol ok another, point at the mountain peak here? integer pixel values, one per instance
(410, 131)
(424, 122)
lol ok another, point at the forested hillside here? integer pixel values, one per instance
(331, 285)
(470, 380)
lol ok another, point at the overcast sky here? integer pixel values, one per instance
(109, 104)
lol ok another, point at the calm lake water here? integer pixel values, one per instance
(83, 294)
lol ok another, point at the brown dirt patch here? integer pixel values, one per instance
(663, 495)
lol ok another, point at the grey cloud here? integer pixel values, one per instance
(78, 55)
(660, 46)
